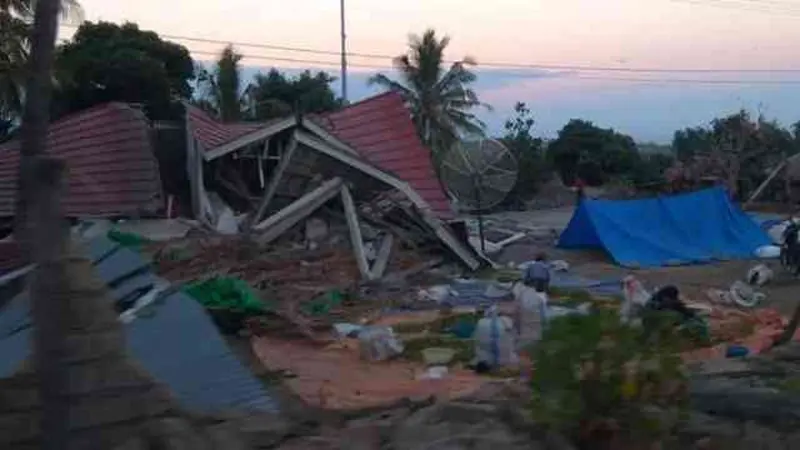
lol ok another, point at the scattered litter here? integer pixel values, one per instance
(437, 294)
(159, 230)
(126, 239)
(736, 351)
(324, 304)
(352, 383)
(759, 275)
(494, 340)
(775, 232)
(378, 343)
(636, 298)
(438, 356)
(434, 373)
(347, 330)
(497, 291)
(768, 252)
(559, 265)
(744, 295)
(144, 301)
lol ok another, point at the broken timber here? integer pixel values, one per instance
(320, 142)
(355, 233)
(272, 188)
(278, 223)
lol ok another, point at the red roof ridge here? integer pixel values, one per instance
(375, 97)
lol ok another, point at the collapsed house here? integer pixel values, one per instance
(364, 164)
(367, 155)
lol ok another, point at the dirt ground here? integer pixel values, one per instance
(783, 292)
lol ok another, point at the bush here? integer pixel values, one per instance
(592, 374)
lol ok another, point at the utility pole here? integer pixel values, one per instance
(344, 53)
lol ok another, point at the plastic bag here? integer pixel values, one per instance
(636, 297)
(532, 307)
(494, 340)
(768, 252)
(759, 275)
(744, 295)
(437, 294)
(378, 344)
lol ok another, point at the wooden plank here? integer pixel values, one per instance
(281, 221)
(274, 181)
(765, 183)
(382, 260)
(355, 233)
(267, 131)
(332, 185)
(442, 232)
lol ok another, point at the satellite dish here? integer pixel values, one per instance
(479, 174)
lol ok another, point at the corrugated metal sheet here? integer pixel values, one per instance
(112, 168)
(212, 133)
(381, 130)
(177, 343)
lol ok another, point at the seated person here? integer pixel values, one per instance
(537, 274)
(668, 299)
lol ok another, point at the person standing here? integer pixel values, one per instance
(580, 188)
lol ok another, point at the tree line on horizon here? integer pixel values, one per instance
(106, 62)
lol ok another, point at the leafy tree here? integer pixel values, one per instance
(735, 148)
(107, 62)
(440, 100)
(533, 168)
(277, 94)
(690, 141)
(594, 154)
(16, 22)
(223, 90)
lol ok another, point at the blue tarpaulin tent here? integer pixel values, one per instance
(683, 229)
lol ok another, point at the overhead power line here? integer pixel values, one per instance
(775, 8)
(489, 64)
(563, 76)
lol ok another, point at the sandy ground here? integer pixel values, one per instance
(783, 293)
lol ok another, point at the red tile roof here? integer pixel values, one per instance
(212, 133)
(378, 128)
(112, 168)
(381, 130)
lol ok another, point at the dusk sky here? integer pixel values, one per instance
(665, 34)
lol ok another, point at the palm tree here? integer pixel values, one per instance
(223, 94)
(16, 21)
(440, 100)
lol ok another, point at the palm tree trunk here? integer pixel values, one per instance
(37, 198)
(37, 105)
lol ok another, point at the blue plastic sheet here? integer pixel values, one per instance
(691, 228)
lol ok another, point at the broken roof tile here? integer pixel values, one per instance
(112, 168)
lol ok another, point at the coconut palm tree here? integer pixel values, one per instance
(440, 99)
